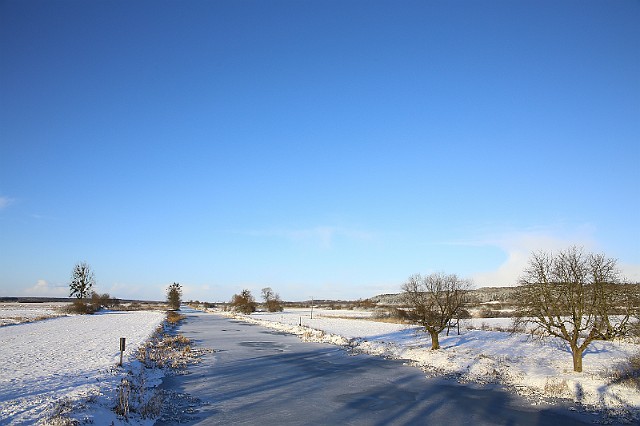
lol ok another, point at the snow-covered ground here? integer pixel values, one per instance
(532, 367)
(75, 357)
(16, 313)
(72, 357)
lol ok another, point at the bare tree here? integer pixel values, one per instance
(271, 300)
(174, 296)
(82, 280)
(244, 302)
(576, 297)
(434, 300)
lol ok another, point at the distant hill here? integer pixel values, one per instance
(480, 295)
(505, 295)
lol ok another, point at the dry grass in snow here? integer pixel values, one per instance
(17, 313)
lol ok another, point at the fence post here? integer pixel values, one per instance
(122, 346)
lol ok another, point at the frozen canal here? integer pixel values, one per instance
(258, 376)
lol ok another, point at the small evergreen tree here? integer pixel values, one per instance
(82, 280)
(174, 296)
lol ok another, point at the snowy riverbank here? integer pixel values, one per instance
(534, 368)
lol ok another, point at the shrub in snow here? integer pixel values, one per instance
(80, 307)
(272, 300)
(629, 374)
(243, 302)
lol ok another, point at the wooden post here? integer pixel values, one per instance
(122, 346)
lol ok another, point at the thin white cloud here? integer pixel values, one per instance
(5, 202)
(44, 289)
(322, 235)
(519, 245)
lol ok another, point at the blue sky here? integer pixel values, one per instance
(323, 148)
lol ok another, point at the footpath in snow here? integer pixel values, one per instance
(534, 368)
(71, 357)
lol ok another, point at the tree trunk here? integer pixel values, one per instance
(435, 344)
(577, 359)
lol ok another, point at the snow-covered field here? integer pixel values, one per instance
(532, 367)
(16, 313)
(74, 358)
(71, 357)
